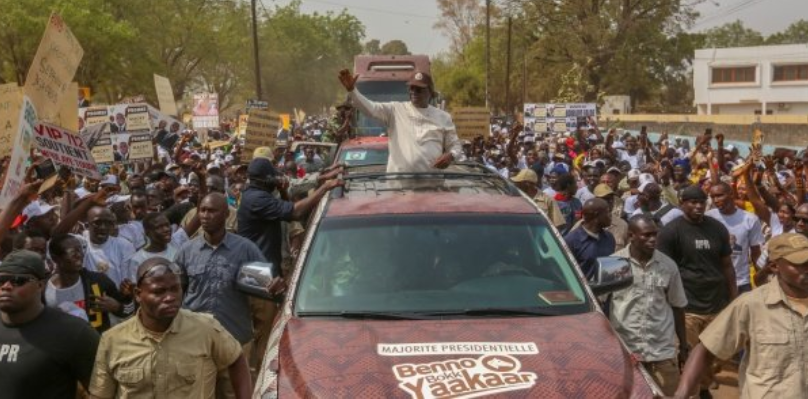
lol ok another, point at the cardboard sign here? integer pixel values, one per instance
(22, 142)
(52, 68)
(140, 146)
(471, 122)
(262, 130)
(206, 111)
(95, 115)
(102, 151)
(558, 118)
(68, 110)
(137, 118)
(65, 148)
(165, 95)
(10, 103)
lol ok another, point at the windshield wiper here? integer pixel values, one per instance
(364, 315)
(495, 312)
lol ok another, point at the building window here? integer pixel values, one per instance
(734, 75)
(785, 73)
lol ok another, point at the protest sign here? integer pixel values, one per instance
(262, 129)
(262, 105)
(140, 146)
(94, 115)
(137, 117)
(102, 151)
(206, 111)
(65, 148)
(68, 110)
(21, 142)
(558, 118)
(471, 122)
(52, 68)
(285, 121)
(165, 95)
(10, 103)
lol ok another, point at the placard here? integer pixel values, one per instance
(558, 118)
(10, 103)
(52, 68)
(262, 130)
(22, 142)
(65, 148)
(140, 146)
(102, 151)
(165, 95)
(137, 117)
(206, 111)
(471, 122)
(95, 115)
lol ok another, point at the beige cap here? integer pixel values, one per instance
(603, 190)
(526, 175)
(263, 152)
(792, 247)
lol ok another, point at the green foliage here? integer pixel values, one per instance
(395, 47)
(200, 45)
(733, 34)
(796, 33)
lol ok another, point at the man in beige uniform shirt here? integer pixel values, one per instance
(528, 181)
(770, 324)
(422, 137)
(165, 351)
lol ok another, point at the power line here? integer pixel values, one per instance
(376, 10)
(727, 11)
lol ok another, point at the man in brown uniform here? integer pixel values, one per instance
(165, 351)
(528, 181)
(770, 323)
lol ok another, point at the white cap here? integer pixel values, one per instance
(171, 166)
(36, 209)
(109, 180)
(82, 192)
(634, 174)
(730, 147)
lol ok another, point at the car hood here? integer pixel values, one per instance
(544, 357)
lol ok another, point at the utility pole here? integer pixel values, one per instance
(258, 93)
(508, 72)
(487, 52)
(524, 76)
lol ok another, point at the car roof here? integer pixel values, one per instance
(428, 203)
(365, 142)
(461, 188)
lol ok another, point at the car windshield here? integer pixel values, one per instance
(441, 264)
(364, 156)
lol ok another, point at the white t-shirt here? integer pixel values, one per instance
(630, 205)
(636, 161)
(69, 300)
(583, 194)
(668, 217)
(133, 232)
(745, 232)
(108, 258)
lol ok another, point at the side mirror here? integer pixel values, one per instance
(253, 279)
(611, 274)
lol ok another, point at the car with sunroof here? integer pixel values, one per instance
(445, 284)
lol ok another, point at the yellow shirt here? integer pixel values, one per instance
(133, 363)
(774, 334)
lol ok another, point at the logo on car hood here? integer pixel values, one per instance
(495, 371)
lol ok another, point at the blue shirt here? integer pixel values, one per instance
(587, 248)
(259, 220)
(212, 281)
(571, 210)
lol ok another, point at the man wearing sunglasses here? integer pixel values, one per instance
(422, 137)
(43, 351)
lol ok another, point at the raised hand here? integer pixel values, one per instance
(348, 81)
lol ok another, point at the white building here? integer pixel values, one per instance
(763, 80)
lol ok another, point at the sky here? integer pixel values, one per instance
(412, 20)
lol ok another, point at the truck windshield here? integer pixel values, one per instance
(445, 264)
(379, 91)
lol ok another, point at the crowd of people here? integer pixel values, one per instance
(700, 225)
(135, 270)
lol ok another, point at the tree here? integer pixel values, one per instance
(372, 47)
(796, 33)
(459, 20)
(732, 34)
(395, 47)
